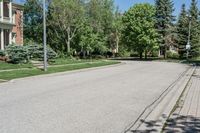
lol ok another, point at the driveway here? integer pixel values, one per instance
(104, 100)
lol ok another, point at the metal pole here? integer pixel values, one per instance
(189, 34)
(44, 36)
(187, 54)
(189, 31)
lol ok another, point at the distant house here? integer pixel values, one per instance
(11, 23)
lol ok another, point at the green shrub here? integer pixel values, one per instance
(17, 54)
(123, 51)
(98, 57)
(134, 54)
(36, 52)
(22, 54)
(172, 55)
(154, 53)
(118, 55)
(2, 53)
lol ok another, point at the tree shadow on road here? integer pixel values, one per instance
(183, 124)
(176, 124)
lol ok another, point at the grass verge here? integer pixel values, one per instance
(6, 66)
(33, 72)
(63, 61)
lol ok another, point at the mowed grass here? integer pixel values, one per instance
(33, 72)
(6, 66)
(63, 61)
(59, 61)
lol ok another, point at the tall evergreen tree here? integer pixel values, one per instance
(182, 31)
(164, 24)
(33, 21)
(195, 33)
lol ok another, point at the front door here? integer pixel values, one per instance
(6, 37)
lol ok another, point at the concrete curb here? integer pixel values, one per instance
(68, 72)
(155, 115)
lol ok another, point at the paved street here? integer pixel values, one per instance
(96, 101)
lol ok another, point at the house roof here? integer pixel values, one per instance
(17, 5)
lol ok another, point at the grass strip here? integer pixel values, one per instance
(33, 72)
(7, 66)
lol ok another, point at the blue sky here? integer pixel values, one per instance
(126, 4)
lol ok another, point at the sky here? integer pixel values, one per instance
(124, 5)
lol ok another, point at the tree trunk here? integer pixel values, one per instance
(84, 54)
(141, 55)
(165, 52)
(68, 46)
(88, 53)
(117, 45)
(68, 40)
(145, 54)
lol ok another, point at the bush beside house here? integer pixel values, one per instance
(36, 52)
(2, 55)
(22, 54)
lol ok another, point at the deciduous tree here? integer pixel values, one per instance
(66, 19)
(138, 31)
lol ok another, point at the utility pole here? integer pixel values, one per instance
(44, 36)
(188, 46)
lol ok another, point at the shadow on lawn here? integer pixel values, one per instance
(177, 124)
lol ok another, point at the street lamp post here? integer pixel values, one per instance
(44, 36)
(188, 46)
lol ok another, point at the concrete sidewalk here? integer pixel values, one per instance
(186, 117)
(154, 116)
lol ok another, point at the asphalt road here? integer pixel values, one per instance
(96, 101)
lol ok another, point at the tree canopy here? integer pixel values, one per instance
(138, 28)
(97, 27)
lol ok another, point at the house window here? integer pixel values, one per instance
(5, 9)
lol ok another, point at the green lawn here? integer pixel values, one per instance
(6, 66)
(195, 61)
(32, 72)
(63, 61)
(59, 61)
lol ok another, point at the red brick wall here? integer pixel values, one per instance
(18, 28)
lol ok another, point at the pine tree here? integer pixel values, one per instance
(195, 33)
(33, 21)
(182, 31)
(164, 24)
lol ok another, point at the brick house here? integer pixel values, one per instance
(11, 23)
